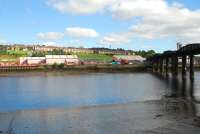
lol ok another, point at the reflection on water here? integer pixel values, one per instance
(186, 88)
(182, 87)
(46, 90)
(29, 91)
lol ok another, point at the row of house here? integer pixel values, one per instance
(50, 60)
(81, 50)
(45, 48)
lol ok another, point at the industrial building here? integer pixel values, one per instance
(128, 59)
(50, 60)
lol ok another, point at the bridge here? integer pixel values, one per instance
(161, 63)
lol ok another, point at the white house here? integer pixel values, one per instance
(22, 60)
(35, 60)
(50, 60)
(72, 60)
(55, 59)
(31, 60)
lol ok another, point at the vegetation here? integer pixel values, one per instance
(145, 54)
(58, 66)
(13, 55)
(96, 57)
(17, 53)
(54, 52)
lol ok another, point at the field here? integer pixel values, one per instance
(7, 57)
(11, 55)
(95, 57)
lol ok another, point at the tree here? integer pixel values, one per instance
(145, 54)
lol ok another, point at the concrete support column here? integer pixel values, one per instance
(175, 65)
(172, 65)
(156, 66)
(153, 66)
(166, 66)
(161, 65)
(183, 65)
(191, 66)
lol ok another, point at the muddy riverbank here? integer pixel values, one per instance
(80, 68)
(174, 116)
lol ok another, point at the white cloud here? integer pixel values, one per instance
(50, 36)
(157, 19)
(115, 39)
(50, 43)
(125, 9)
(79, 6)
(3, 41)
(180, 23)
(77, 32)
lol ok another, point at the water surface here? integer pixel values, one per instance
(48, 90)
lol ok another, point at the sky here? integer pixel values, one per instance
(128, 24)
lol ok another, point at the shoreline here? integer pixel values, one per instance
(150, 117)
(90, 106)
(82, 68)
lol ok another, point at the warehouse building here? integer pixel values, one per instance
(128, 59)
(50, 60)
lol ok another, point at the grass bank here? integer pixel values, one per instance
(95, 57)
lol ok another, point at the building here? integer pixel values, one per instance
(72, 60)
(50, 60)
(32, 60)
(77, 50)
(128, 59)
(44, 48)
(55, 59)
(110, 51)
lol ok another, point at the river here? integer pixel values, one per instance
(21, 91)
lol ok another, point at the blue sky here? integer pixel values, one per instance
(129, 24)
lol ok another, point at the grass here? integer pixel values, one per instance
(14, 55)
(7, 58)
(11, 55)
(17, 52)
(96, 57)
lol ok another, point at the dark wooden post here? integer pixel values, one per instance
(175, 65)
(154, 66)
(166, 65)
(161, 65)
(172, 65)
(157, 65)
(183, 65)
(191, 66)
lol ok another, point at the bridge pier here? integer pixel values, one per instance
(166, 65)
(191, 66)
(161, 65)
(155, 66)
(175, 66)
(184, 58)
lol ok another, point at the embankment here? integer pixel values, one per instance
(80, 68)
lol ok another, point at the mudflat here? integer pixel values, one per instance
(167, 116)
